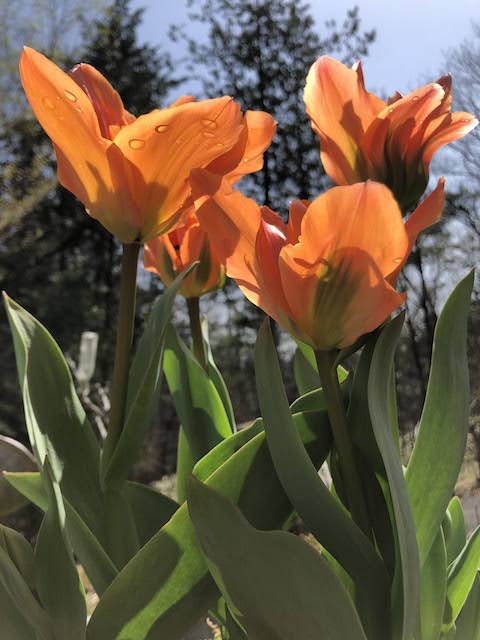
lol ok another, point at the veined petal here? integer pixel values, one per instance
(261, 128)
(108, 105)
(297, 210)
(341, 110)
(455, 127)
(232, 222)
(87, 165)
(164, 146)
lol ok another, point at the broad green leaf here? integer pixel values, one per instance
(13, 624)
(199, 406)
(320, 511)
(454, 529)
(461, 576)
(379, 397)
(217, 378)
(276, 585)
(438, 453)
(433, 591)
(176, 590)
(122, 536)
(13, 457)
(185, 464)
(151, 509)
(57, 580)
(13, 585)
(305, 369)
(315, 400)
(468, 622)
(97, 564)
(143, 388)
(56, 422)
(20, 553)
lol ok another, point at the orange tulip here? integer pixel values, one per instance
(132, 174)
(362, 137)
(327, 276)
(171, 253)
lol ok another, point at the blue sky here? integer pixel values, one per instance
(412, 35)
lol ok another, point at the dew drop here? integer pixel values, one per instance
(415, 98)
(208, 134)
(135, 143)
(161, 128)
(390, 110)
(210, 124)
(48, 103)
(397, 260)
(70, 96)
(220, 145)
(465, 120)
(246, 159)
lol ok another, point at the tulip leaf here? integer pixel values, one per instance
(14, 626)
(433, 590)
(93, 557)
(13, 457)
(468, 622)
(318, 508)
(56, 422)
(276, 584)
(151, 509)
(20, 553)
(379, 400)
(199, 406)
(439, 448)
(143, 387)
(454, 529)
(461, 576)
(305, 369)
(168, 599)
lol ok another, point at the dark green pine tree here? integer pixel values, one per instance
(54, 259)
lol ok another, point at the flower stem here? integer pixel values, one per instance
(193, 305)
(126, 317)
(338, 422)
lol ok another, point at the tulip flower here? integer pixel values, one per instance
(132, 174)
(172, 253)
(362, 137)
(327, 276)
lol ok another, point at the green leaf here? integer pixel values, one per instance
(151, 509)
(176, 589)
(97, 564)
(217, 378)
(318, 508)
(57, 580)
(454, 529)
(14, 626)
(305, 369)
(143, 387)
(199, 406)
(468, 622)
(315, 400)
(276, 585)
(13, 457)
(461, 576)
(433, 591)
(379, 399)
(438, 453)
(185, 464)
(20, 553)
(56, 422)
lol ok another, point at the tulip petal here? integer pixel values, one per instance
(455, 127)
(334, 278)
(341, 110)
(108, 105)
(261, 128)
(232, 222)
(296, 212)
(164, 146)
(87, 163)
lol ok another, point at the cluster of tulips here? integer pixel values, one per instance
(385, 553)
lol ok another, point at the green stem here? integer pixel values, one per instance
(338, 421)
(193, 305)
(126, 317)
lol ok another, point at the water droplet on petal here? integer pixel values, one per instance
(135, 143)
(465, 120)
(390, 110)
(208, 134)
(246, 159)
(48, 103)
(397, 260)
(415, 98)
(210, 124)
(219, 145)
(70, 96)
(161, 128)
